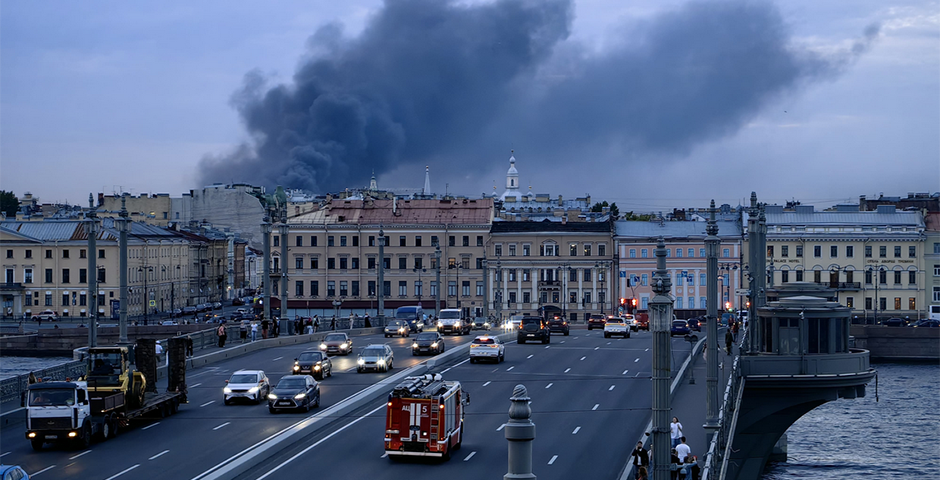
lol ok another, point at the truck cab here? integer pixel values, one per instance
(451, 321)
(58, 412)
(424, 417)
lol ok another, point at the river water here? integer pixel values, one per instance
(13, 366)
(896, 437)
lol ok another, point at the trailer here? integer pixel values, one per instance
(424, 417)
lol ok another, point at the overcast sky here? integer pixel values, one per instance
(651, 104)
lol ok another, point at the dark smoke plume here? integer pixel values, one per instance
(434, 81)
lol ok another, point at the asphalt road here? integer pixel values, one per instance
(590, 401)
(205, 431)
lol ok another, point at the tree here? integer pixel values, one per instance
(600, 206)
(9, 204)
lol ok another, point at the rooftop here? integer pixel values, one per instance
(399, 212)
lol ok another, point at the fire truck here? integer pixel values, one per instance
(424, 417)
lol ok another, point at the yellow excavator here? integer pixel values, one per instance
(108, 374)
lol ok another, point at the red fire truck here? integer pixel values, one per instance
(424, 417)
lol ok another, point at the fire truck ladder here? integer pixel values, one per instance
(435, 417)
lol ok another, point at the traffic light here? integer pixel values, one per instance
(728, 306)
(748, 304)
(623, 301)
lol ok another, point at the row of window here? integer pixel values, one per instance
(849, 251)
(66, 275)
(690, 252)
(82, 253)
(353, 240)
(850, 277)
(68, 300)
(883, 303)
(552, 250)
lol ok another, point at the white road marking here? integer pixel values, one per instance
(47, 468)
(637, 375)
(554, 457)
(122, 473)
(567, 370)
(608, 343)
(220, 426)
(500, 427)
(595, 406)
(647, 350)
(318, 442)
(597, 348)
(562, 341)
(637, 360)
(159, 455)
(576, 430)
(5, 454)
(455, 366)
(194, 386)
(548, 346)
(384, 455)
(487, 383)
(510, 368)
(151, 426)
(549, 385)
(470, 456)
(530, 356)
(80, 454)
(210, 402)
(582, 358)
(611, 388)
(276, 359)
(625, 372)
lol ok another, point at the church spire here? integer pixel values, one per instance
(372, 185)
(427, 180)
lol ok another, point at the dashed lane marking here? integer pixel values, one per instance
(210, 402)
(220, 426)
(548, 346)
(470, 456)
(194, 386)
(80, 454)
(576, 430)
(276, 359)
(384, 455)
(530, 356)
(597, 348)
(159, 455)
(151, 426)
(567, 370)
(625, 372)
(595, 406)
(608, 343)
(510, 368)
(554, 457)
(122, 473)
(582, 358)
(50, 467)
(564, 341)
(5, 454)
(500, 427)
(455, 366)
(487, 383)
(611, 388)
(647, 350)
(637, 360)
(549, 385)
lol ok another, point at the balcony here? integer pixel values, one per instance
(845, 285)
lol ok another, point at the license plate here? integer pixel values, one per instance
(531, 334)
(284, 402)
(424, 349)
(51, 437)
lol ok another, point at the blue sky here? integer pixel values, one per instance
(103, 96)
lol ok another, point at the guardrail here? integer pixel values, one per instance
(727, 418)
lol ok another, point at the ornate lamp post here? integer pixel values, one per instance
(419, 286)
(266, 229)
(91, 229)
(123, 228)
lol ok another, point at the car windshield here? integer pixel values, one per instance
(292, 382)
(679, 323)
(309, 357)
(244, 378)
(426, 336)
(396, 323)
(373, 352)
(51, 397)
(484, 341)
(530, 321)
(335, 337)
(615, 320)
(448, 315)
(628, 317)
(407, 315)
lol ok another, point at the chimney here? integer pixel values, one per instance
(564, 219)
(394, 205)
(560, 203)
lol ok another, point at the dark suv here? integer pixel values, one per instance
(558, 324)
(533, 328)
(596, 321)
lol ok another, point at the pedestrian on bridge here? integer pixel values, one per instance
(729, 340)
(683, 450)
(675, 431)
(333, 323)
(254, 331)
(641, 459)
(222, 335)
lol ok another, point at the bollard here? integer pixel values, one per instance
(520, 432)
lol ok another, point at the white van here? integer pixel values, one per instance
(452, 321)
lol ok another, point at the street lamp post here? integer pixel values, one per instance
(420, 286)
(600, 295)
(876, 273)
(498, 296)
(266, 229)
(457, 267)
(123, 227)
(726, 283)
(91, 229)
(437, 272)
(146, 303)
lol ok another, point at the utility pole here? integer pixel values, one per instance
(266, 229)
(91, 229)
(437, 291)
(380, 288)
(753, 270)
(711, 321)
(486, 289)
(499, 289)
(660, 308)
(122, 228)
(282, 229)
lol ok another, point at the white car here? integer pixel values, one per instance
(248, 384)
(486, 347)
(513, 323)
(616, 326)
(630, 321)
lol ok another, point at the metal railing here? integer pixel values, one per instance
(718, 450)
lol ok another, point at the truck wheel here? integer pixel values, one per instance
(36, 443)
(105, 432)
(85, 440)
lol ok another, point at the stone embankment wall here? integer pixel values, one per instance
(898, 343)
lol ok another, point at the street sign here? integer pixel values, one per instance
(153, 303)
(623, 274)
(742, 292)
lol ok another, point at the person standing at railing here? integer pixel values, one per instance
(222, 335)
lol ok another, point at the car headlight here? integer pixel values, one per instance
(300, 395)
(272, 396)
(440, 324)
(316, 367)
(32, 435)
(344, 346)
(381, 361)
(226, 390)
(434, 345)
(322, 346)
(414, 345)
(457, 323)
(296, 367)
(253, 390)
(401, 330)
(361, 361)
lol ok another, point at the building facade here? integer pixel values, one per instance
(332, 255)
(874, 260)
(550, 267)
(686, 263)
